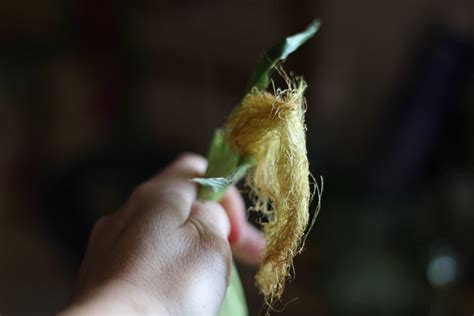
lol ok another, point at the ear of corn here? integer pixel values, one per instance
(264, 140)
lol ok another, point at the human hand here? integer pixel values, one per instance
(164, 252)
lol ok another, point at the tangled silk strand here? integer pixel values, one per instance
(270, 128)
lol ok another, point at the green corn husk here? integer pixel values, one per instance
(225, 167)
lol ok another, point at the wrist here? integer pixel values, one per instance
(115, 298)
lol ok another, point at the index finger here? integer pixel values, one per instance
(169, 192)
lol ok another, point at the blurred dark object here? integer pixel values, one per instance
(427, 115)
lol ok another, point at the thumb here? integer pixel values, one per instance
(210, 215)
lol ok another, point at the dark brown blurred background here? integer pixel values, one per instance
(95, 96)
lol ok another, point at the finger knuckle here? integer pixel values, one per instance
(191, 159)
(99, 225)
(142, 191)
(213, 244)
(101, 222)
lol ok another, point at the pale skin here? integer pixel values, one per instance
(165, 252)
